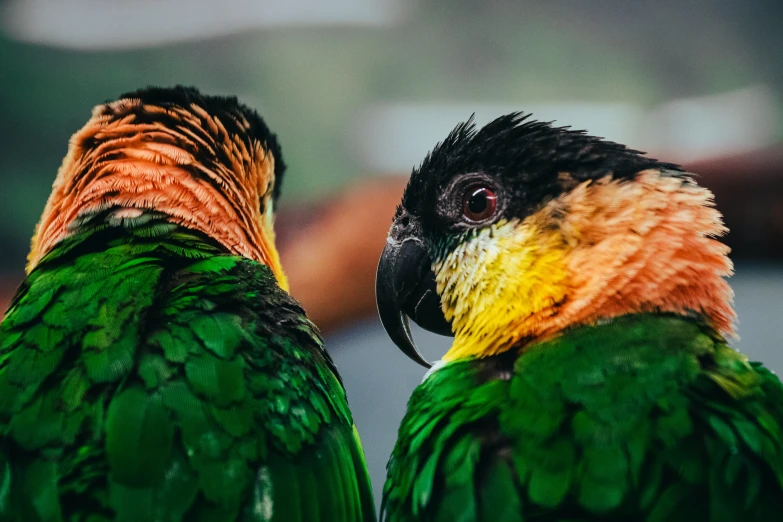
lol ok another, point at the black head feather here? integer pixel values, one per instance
(521, 156)
(226, 108)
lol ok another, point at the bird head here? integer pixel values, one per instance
(207, 163)
(514, 232)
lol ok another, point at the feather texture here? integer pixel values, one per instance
(646, 417)
(145, 374)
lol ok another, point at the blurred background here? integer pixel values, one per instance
(359, 90)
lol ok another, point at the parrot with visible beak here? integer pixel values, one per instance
(152, 365)
(589, 377)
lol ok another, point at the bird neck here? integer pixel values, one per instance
(130, 167)
(603, 250)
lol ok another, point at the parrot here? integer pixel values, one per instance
(153, 366)
(590, 376)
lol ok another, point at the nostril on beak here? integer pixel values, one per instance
(400, 227)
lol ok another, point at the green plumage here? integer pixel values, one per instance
(145, 375)
(647, 418)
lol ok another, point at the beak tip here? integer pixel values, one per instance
(426, 364)
(405, 286)
(398, 329)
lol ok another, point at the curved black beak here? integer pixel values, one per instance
(405, 287)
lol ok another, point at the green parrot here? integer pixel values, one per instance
(152, 365)
(589, 377)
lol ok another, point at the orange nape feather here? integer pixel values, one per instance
(190, 168)
(602, 250)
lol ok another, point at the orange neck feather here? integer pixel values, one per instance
(603, 250)
(644, 246)
(116, 162)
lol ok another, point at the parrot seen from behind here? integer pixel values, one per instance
(152, 365)
(589, 377)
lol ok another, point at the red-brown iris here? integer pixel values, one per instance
(479, 203)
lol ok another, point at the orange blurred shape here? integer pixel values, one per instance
(331, 259)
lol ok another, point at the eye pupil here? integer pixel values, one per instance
(479, 203)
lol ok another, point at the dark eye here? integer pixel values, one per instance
(479, 203)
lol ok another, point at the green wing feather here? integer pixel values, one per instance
(649, 418)
(151, 377)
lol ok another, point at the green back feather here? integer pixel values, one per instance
(146, 375)
(649, 418)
